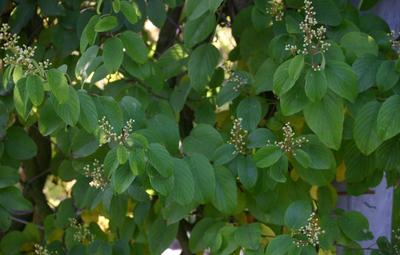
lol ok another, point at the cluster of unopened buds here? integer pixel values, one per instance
(308, 234)
(237, 80)
(276, 9)
(289, 143)
(81, 233)
(20, 55)
(40, 250)
(395, 43)
(238, 136)
(95, 172)
(314, 36)
(112, 136)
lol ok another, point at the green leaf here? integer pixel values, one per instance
(135, 48)
(5, 220)
(280, 245)
(111, 162)
(122, 154)
(249, 110)
(247, 171)
(267, 156)
(48, 121)
(355, 226)
(84, 65)
(279, 170)
(34, 86)
(113, 54)
(316, 85)
(58, 85)
(297, 214)
(19, 145)
(263, 79)
(83, 144)
(109, 108)
(8, 176)
(296, 67)
(204, 234)
(122, 178)
(184, 183)
(259, 138)
(320, 156)
(387, 76)
(282, 83)
(131, 11)
(303, 158)
(21, 99)
(365, 131)
(342, 80)
(356, 44)
(204, 176)
(195, 9)
(199, 29)
(161, 235)
(224, 154)
(225, 197)
(366, 68)
(295, 100)
(388, 122)
(327, 12)
(69, 110)
(88, 114)
(248, 236)
(160, 159)
(12, 200)
(203, 139)
(106, 23)
(156, 12)
(202, 63)
(325, 118)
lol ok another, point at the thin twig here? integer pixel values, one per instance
(26, 222)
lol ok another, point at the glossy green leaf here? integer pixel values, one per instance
(325, 118)
(58, 85)
(113, 54)
(316, 85)
(267, 156)
(297, 214)
(225, 197)
(34, 87)
(342, 80)
(135, 48)
(201, 66)
(106, 23)
(388, 121)
(365, 131)
(19, 145)
(387, 76)
(160, 159)
(131, 11)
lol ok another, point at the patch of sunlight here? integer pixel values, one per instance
(57, 190)
(224, 40)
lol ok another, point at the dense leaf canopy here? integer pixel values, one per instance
(224, 125)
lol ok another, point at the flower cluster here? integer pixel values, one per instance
(20, 55)
(308, 234)
(237, 80)
(81, 233)
(96, 173)
(314, 36)
(276, 9)
(395, 43)
(238, 136)
(40, 250)
(289, 143)
(112, 136)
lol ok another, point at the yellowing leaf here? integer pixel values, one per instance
(314, 192)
